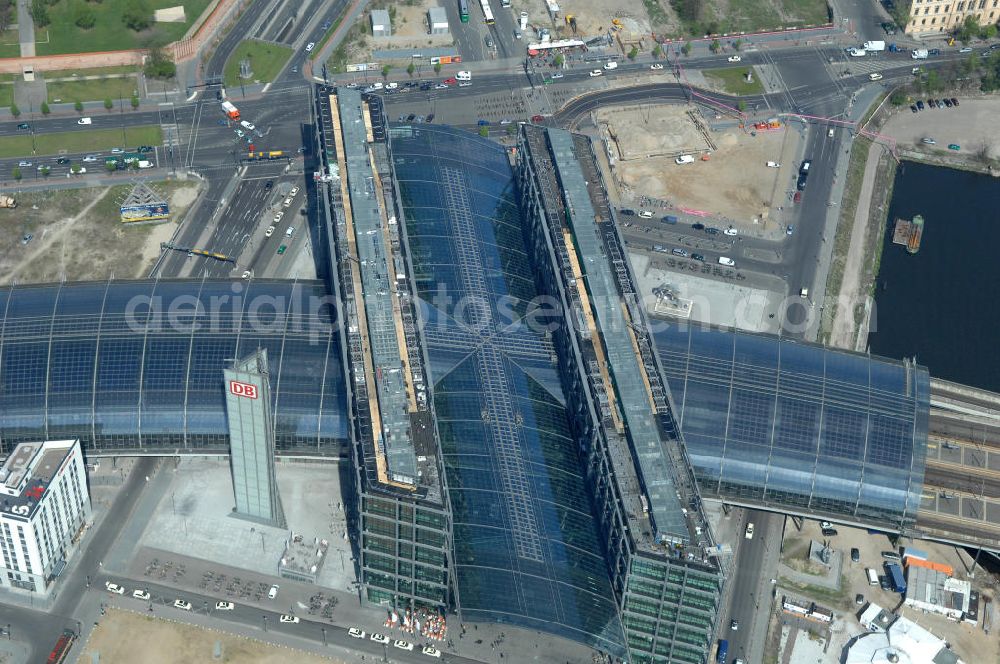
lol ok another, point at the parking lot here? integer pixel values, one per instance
(970, 126)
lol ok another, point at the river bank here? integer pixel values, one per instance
(858, 243)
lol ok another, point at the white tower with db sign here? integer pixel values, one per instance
(251, 441)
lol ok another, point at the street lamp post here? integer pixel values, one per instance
(323, 629)
(265, 623)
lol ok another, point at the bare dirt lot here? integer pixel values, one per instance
(124, 637)
(77, 234)
(592, 16)
(734, 183)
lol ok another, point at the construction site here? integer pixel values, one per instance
(740, 173)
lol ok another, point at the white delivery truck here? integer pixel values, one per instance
(874, 45)
(919, 54)
(464, 76)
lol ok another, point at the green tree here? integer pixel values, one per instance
(742, 106)
(75, 169)
(898, 98)
(385, 70)
(686, 49)
(40, 13)
(137, 15)
(108, 104)
(657, 51)
(967, 30)
(16, 173)
(715, 46)
(14, 110)
(159, 64)
(559, 60)
(988, 31)
(78, 105)
(437, 68)
(633, 53)
(45, 170)
(84, 17)
(135, 102)
(110, 166)
(410, 68)
(484, 132)
(45, 108)
(737, 44)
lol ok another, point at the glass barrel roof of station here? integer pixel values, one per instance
(137, 365)
(796, 426)
(527, 548)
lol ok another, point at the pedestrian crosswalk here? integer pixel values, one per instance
(170, 137)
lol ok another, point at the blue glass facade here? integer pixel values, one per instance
(527, 549)
(797, 427)
(137, 365)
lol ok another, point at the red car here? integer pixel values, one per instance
(537, 118)
(450, 81)
(798, 197)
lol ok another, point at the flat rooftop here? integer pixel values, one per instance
(27, 473)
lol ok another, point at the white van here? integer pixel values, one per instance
(611, 65)
(464, 76)
(727, 261)
(684, 159)
(872, 576)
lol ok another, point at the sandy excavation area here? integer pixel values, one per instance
(124, 637)
(734, 182)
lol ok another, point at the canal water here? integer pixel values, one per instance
(942, 305)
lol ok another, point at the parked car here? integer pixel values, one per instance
(947, 102)
(84, 121)
(927, 140)
(140, 594)
(183, 605)
(656, 66)
(224, 606)
(790, 229)
(829, 532)
(859, 599)
(247, 125)
(920, 105)
(645, 214)
(289, 619)
(698, 257)
(965, 49)
(913, 108)
(734, 58)
(730, 231)
(954, 100)
(356, 633)
(628, 212)
(402, 645)
(596, 72)
(112, 587)
(724, 260)
(431, 651)
(855, 555)
(697, 226)
(273, 592)
(379, 638)
(954, 146)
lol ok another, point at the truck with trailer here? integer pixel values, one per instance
(231, 111)
(895, 573)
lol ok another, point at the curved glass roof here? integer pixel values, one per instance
(137, 365)
(527, 548)
(799, 427)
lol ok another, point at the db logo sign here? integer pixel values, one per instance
(243, 389)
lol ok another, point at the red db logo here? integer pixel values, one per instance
(243, 389)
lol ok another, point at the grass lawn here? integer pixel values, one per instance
(734, 80)
(6, 95)
(806, 12)
(93, 90)
(9, 46)
(90, 140)
(109, 33)
(123, 70)
(266, 60)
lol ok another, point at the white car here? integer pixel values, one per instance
(857, 52)
(723, 260)
(278, 215)
(294, 191)
(290, 231)
(269, 232)
(875, 76)
(684, 159)
(117, 151)
(380, 638)
(181, 604)
(247, 125)
(114, 588)
(730, 231)
(310, 46)
(596, 72)
(84, 121)
(431, 651)
(773, 164)
(556, 75)
(645, 214)
(656, 67)
(89, 158)
(140, 594)
(749, 532)
(391, 86)
(224, 606)
(611, 65)
(402, 645)
(287, 202)
(289, 619)
(239, 132)
(734, 58)
(356, 633)
(273, 592)
(246, 274)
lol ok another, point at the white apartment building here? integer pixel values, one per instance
(44, 504)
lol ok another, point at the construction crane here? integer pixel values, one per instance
(198, 252)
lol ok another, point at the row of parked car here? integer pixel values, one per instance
(358, 633)
(944, 102)
(185, 605)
